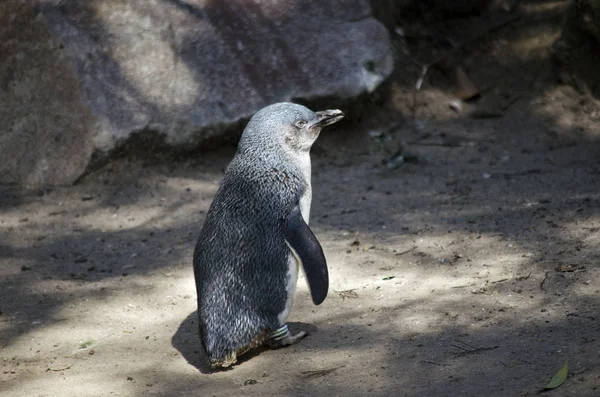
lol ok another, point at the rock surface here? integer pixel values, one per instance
(79, 77)
(578, 47)
(46, 129)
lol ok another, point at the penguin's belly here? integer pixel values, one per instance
(290, 287)
(294, 261)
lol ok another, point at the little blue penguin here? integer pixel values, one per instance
(256, 236)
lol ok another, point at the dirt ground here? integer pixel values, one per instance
(470, 269)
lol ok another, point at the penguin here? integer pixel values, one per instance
(256, 237)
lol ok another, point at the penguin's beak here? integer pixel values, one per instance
(326, 117)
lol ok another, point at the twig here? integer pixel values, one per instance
(465, 343)
(511, 102)
(424, 69)
(319, 373)
(472, 349)
(349, 293)
(543, 281)
(521, 278)
(463, 286)
(407, 251)
(434, 363)
(459, 347)
(59, 369)
(499, 281)
(477, 350)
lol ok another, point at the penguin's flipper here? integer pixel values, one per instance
(306, 247)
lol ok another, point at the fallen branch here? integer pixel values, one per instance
(463, 286)
(407, 251)
(58, 369)
(476, 350)
(499, 281)
(521, 278)
(434, 363)
(349, 293)
(319, 373)
(543, 281)
(471, 349)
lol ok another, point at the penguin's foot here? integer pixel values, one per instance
(283, 337)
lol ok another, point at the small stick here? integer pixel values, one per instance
(407, 251)
(463, 286)
(459, 347)
(499, 281)
(465, 343)
(318, 373)
(511, 102)
(477, 350)
(58, 369)
(521, 278)
(543, 281)
(434, 363)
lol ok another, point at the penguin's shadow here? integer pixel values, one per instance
(187, 342)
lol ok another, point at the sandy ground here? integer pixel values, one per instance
(474, 271)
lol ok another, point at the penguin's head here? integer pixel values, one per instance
(287, 126)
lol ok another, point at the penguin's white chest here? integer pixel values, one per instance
(305, 202)
(306, 198)
(294, 261)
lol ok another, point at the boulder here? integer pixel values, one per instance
(46, 129)
(578, 46)
(586, 15)
(80, 77)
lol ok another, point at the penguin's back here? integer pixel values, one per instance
(241, 258)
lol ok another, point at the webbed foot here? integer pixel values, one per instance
(283, 337)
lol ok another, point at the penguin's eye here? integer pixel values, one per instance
(300, 123)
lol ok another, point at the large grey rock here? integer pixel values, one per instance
(586, 15)
(45, 123)
(82, 76)
(578, 46)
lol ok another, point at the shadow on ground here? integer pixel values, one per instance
(187, 342)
